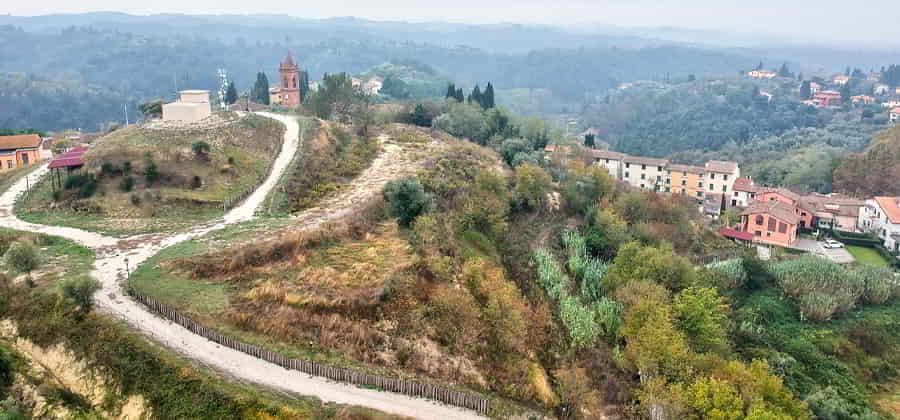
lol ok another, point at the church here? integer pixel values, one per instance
(290, 93)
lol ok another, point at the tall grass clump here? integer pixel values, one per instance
(734, 271)
(823, 289)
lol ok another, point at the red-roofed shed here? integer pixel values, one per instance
(736, 234)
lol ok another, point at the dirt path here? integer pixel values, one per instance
(115, 256)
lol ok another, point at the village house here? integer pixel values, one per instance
(687, 180)
(827, 98)
(881, 89)
(743, 192)
(191, 106)
(891, 104)
(830, 211)
(840, 80)
(814, 88)
(771, 222)
(761, 74)
(881, 217)
(610, 160)
(894, 115)
(19, 151)
(645, 173)
(372, 86)
(720, 176)
(862, 99)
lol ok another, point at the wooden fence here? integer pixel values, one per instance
(400, 386)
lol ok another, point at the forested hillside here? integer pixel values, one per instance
(142, 67)
(874, 172)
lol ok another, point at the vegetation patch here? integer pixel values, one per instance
(139, 179)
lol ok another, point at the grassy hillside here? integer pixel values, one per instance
(139, 179)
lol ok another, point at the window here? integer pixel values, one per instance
(735, 193)
(724, 188)
(658, 178)
(733, 203)
(757, 233)
(684, 174)
(699, 193)
(782, 227)
(9, 164)
(25, 158)
(711, 187)
(659, 168)
(643, 167)
(683, 183)
(668, 189)
(643, 176)
(712, 176)
(759, 219)
(627, 165)
(699, 185)
(771, 226)
(626, 175)
(607, 160)
(725, 177)
(642, 186)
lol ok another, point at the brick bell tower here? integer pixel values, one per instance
(290, 82)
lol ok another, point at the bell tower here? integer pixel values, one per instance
(290, 82)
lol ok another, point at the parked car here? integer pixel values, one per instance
(832, 244)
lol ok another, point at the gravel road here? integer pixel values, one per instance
(110, 270)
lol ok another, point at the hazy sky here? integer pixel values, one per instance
(866, 20)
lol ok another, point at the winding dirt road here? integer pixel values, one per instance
(114, 255)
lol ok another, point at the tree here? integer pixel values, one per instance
(488, 98)
(585, 186)
(80, 290)
(845, 93)
(784, 71)
(22, 257)
(459, 95)
(760, 66)
(578, 400)
(805, 90)
(420, 116)
(589, 140)
(260, 92)
(658, 264)
(701, 314)
(451, 91)
(304, 87)
(475, 96)
(151, 171)
(231, 94)
(532, 184)
(152, 109)
(395, 88)
(407, 200)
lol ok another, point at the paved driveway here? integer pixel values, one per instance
(838, 255)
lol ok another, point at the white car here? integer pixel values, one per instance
(832, 244)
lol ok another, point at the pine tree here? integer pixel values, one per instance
(488, 99)
(589, 140)
(260, 92)
(460, 97)
(231, 93)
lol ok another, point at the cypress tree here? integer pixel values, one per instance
(260, 92)
(451, 91)
(805, 90)
(460, 97)
(488, 102)
(475, 96)
(304, 85)
(231, 93)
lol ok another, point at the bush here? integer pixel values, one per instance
(407, 200)
(75, 181)
(135, 199)
(127, 184)
(6, 369)
(108, 169)
(88, 188)
(196, 182)
(201, 149)
(151, 171)
(22, 257)
(820, 287)
(81, 291)
(126, 167)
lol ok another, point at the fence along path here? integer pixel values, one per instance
(401, 386)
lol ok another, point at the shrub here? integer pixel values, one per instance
(701, 314)
(127, 184)
(820, 287)
(151, 171)
(81, 291)
(22, 257)
(75, 181)
(135, 200)
(88, 188)
(126, 167)
(879, 283)
(109, 169)
(201, 149)
(532, 184)
(407, 200)
(6, 369)
(196, 182)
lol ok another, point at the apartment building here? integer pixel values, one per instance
(720, 176)
(648, 174)
(687, 180)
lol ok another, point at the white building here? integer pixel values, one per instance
(191, 106)
(881, 216)
(881, 89)
(720, 176)
(841, 79)
(743, 192)
(761, 74)
(645, 173)
(612, 161)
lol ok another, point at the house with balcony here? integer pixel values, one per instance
(881, 217)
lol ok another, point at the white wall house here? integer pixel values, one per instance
(648, 174)
(881, 217)
(612, 161)
(720, 177)
(743, 192)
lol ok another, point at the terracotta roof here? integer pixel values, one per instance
(891, 207)
(23, 141)
(645, 160)
(783, 191)
(721, 166)
(777, 209)
(833, 204)
(675, 167)
(745, 184)
(736, 234)
(607, 154)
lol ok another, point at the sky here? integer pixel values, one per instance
(869, 21)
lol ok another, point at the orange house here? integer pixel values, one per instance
(687, 180)
(771, 222)
(19, 151)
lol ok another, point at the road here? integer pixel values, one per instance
(113, 255)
